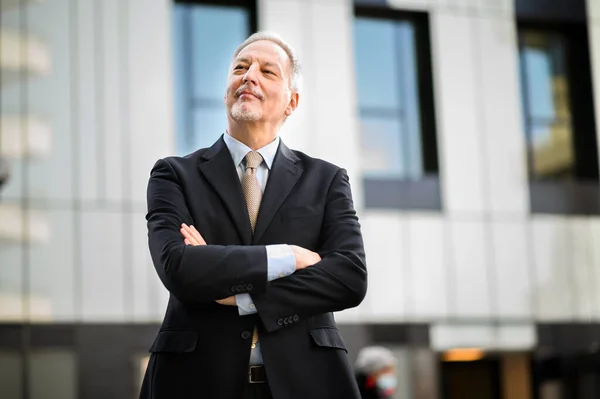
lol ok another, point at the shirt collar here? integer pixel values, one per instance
(239, 150)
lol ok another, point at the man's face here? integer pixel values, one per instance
(258, 86)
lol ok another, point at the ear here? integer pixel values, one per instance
(293, 104)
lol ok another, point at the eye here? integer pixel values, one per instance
(268, 71)
(239, 67)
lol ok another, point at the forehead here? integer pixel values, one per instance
(265, 51)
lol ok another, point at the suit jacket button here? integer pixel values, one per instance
(246, 334)
(233, 288)
(286, 321)
(296, 318)
(280, 322)
(249, 287)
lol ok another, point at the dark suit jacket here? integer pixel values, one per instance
(203, 348)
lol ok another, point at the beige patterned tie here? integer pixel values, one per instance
(253, 195)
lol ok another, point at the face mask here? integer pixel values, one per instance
(386, 384)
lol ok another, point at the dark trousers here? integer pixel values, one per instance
(257, 391)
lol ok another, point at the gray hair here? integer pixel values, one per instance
(275, 38)
(374, 358)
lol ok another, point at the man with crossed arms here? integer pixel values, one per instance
(257, 245)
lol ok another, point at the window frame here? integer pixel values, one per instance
(405, 193)
(580, 195)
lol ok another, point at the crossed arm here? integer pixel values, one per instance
(198, 274)
(303, 257)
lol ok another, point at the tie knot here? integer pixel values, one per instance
(253, 159)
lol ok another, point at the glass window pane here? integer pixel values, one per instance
(376, 63)
(211, 53)
(545, 77)
(10, 375)
(410, 100)
(201, 66)
(552, 150)
(209, 124)
(53, 374)
(381, 145)
(51, 268)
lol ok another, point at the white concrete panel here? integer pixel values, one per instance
(454, 62)
(469, 269)
(49, 97)
(87, 81)
(518, 337)
(142, 269)
(429, 272)
(595, 265)
(148, 100)
(113, 135)
(289, 18)
(495, 7)
(593, 10)
(484, 336)
(102, 268)
(386, 245)
(417, 5)
(333, 98)
(52, 270)
(500, 105)
(444, 336)
(511, 276)
(553, 283)
(580, 267)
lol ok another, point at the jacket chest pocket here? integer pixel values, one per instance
(328, 338)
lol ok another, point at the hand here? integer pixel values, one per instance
(304, 257)
(191, 235)
(229, 301)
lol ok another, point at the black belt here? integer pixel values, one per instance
(257, 375)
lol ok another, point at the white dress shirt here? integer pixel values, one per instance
(281, 261)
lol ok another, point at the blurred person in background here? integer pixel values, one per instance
(375, 369)
(257, 245)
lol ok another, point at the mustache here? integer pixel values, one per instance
(239, 91)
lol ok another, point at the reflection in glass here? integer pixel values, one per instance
(212, 53)
(376, 63)
(388, 98)
(547, 112)
(10, 375)
(381, 146)
(210, 123)
(201, 66)
(53, 374)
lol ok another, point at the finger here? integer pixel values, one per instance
(187, 235)
(187, 242)
(197, 235)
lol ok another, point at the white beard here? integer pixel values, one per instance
(241, 113)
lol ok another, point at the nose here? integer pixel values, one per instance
(251, 74)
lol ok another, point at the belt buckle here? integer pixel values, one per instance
(250, 380)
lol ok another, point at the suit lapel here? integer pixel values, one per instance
(283, 176)
(218, 168)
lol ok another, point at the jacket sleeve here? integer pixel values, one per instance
(195, 275)
(337, 282)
